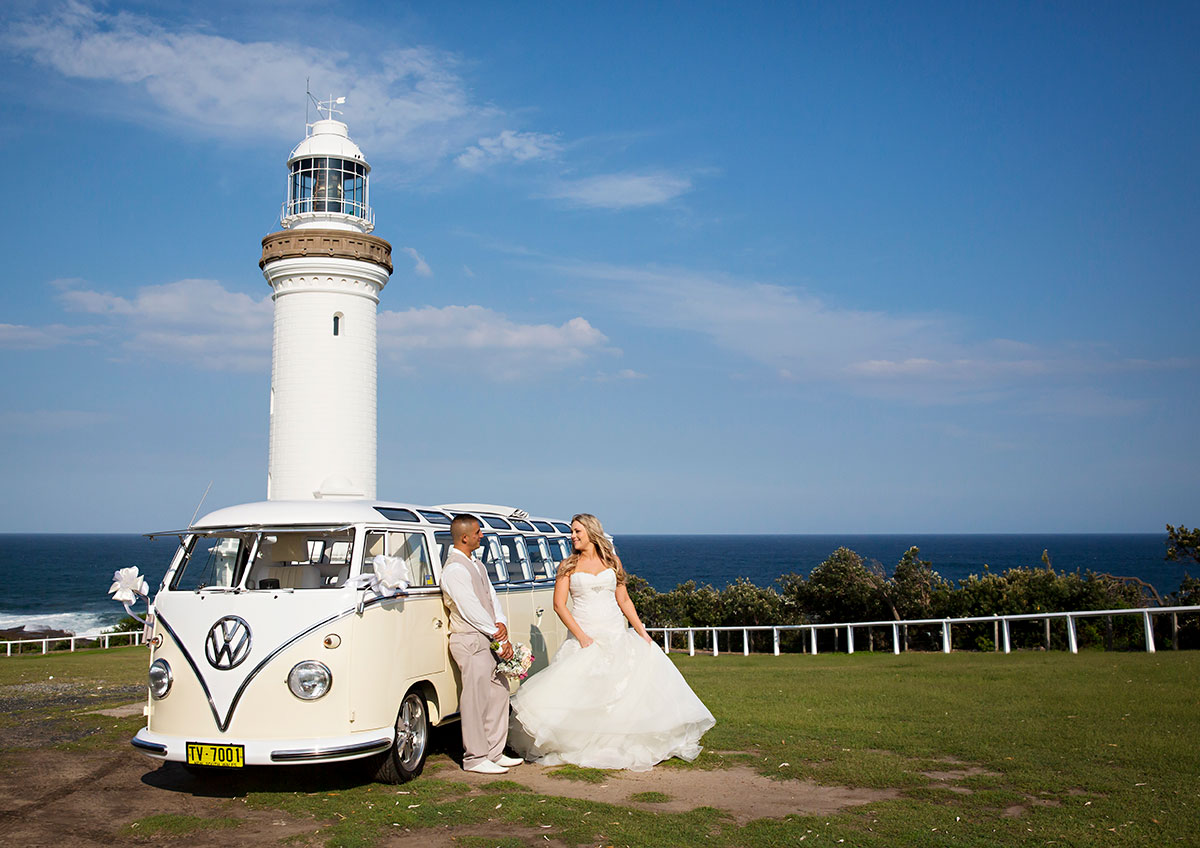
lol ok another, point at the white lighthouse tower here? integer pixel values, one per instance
(326, 272)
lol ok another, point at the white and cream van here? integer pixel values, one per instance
(270, 646)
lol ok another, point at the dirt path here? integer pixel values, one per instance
(53, 798)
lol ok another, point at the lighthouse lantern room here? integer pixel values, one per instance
(326, 272)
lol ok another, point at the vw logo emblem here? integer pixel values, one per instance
(228, 643)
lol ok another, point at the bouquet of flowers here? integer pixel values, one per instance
(518, 665)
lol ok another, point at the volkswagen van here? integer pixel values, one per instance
(272, 645)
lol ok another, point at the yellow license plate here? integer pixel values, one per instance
(227, 756)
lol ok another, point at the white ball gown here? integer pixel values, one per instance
(619, 703)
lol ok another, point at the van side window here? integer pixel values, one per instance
(443, 542)
(410, 547)
(539, 557)
(492, 561)
(512, 548)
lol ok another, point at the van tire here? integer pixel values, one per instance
(406, 758)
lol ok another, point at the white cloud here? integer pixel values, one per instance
(623, 374)
(420, 266)
(206, 325)
(509, 146)
(197, 321)
(799, 337)
(622, 191)
(407, 103)
(479, 339)
(24, 337)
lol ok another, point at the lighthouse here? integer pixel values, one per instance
(326, 273)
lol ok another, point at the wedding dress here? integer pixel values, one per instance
(619, 703)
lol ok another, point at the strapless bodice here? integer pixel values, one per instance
(594, 601)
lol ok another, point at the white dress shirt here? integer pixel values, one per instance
(458, 589)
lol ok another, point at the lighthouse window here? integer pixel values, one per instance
(337, 324)
(322, 184)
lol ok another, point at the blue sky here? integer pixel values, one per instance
(842, 267)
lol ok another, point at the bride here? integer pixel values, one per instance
(610, 698)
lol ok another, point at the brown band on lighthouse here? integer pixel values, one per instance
(292, 244)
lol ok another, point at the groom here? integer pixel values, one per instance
(476, 621)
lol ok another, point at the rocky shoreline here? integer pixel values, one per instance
(15, 633)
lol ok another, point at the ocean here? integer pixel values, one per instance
(62, 580)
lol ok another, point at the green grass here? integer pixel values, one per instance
(122, 667)
(54, 696)
(651, 797)
(177, 824)
(1094, 749)
(581, 774)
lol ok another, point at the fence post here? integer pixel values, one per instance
(1174, 631)
(691, 642)
(945, 636)
(1149, 632)
(775, 639)
(849, 638)
(714, 638)
(745, 642)
(45, 645)
(1071, 641)
(666, 641)
(1047, 633)
(1007, 636)
(895, 638)
(812, 632)
(72, 644)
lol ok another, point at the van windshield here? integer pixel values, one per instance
(212, 562)
(300, 560)
(311, 559)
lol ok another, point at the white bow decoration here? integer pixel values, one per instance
(389, 579)
(128, 585)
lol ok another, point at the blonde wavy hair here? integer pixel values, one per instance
(604, 547)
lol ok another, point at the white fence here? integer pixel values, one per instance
(1003, 623)
(105, 640)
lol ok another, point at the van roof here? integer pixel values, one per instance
(327, 512)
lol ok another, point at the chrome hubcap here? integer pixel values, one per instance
(410, 732)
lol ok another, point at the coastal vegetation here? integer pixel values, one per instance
(847, 588)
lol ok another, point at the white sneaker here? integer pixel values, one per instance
(508, 762)
(486, 767)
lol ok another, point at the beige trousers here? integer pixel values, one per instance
(483, 703)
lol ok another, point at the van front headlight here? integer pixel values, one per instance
(160, 679)
(310, 680)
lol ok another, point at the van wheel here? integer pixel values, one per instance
(405, 759)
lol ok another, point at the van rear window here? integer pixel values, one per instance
(435, 517)
(497, 522)
(544, 526)
(566, 528)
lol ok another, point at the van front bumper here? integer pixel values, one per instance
(272, 752)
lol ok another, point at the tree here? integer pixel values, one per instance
(843, 589)
(916, 587)
(1183, 543)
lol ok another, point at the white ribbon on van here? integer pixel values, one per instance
(129, 585)
(389, 578)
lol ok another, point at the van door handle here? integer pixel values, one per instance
(541, 611)
(437, 624)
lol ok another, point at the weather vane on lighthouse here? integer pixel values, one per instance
(326, 273)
